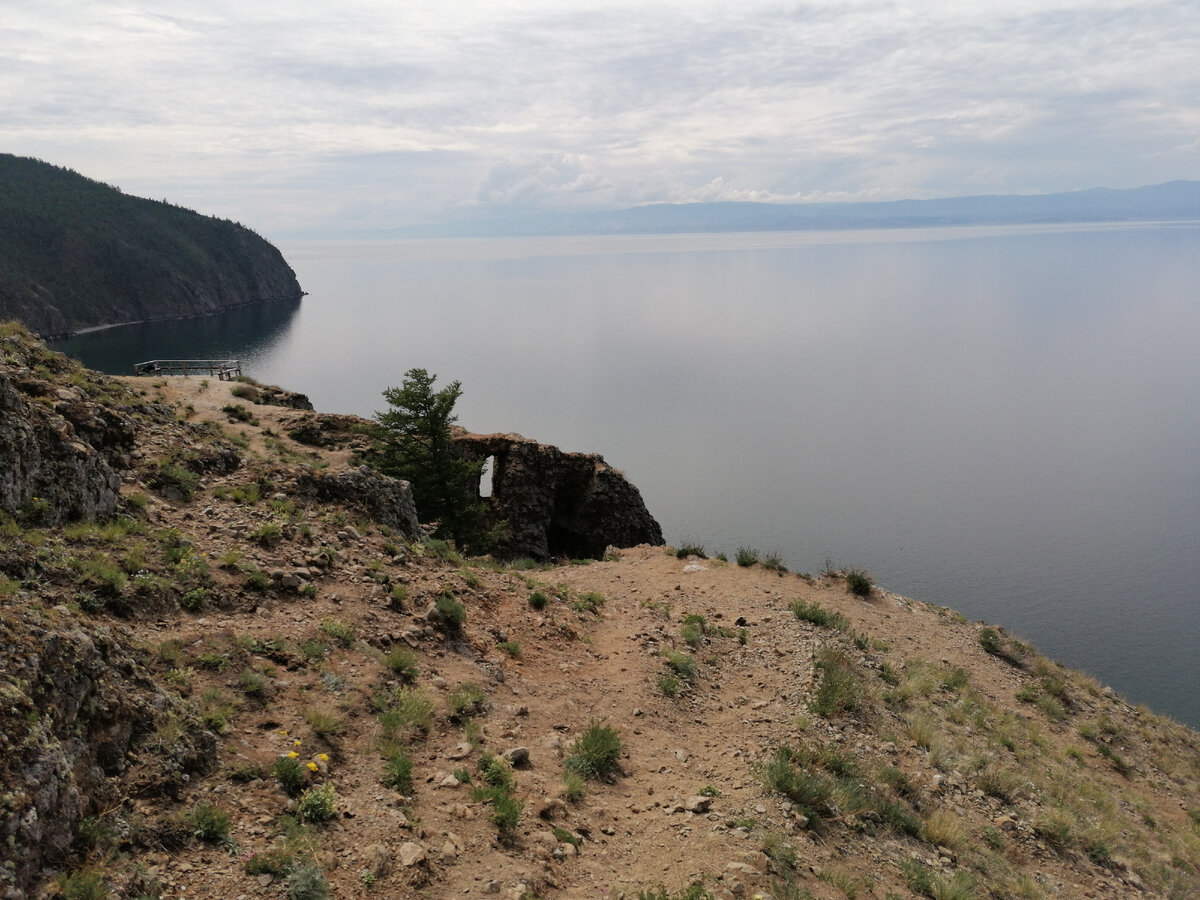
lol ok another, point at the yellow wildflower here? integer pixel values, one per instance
(322, 757)
(293, 755)
(296, 743)
(312, 766)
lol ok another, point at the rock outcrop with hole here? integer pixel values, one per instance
(557, 503)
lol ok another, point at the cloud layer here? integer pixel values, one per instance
(299, 117)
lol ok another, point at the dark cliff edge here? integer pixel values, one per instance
(556, 503)
(78, 254)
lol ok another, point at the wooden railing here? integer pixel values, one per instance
(224, 369)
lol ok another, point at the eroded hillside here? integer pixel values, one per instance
(231, 688)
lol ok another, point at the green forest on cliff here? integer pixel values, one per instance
(76, 253)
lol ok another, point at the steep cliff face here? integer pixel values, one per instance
(54, 443)
(75, 254)
(81, 725)
(558, 503)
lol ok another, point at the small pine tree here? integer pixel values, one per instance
(414, 442)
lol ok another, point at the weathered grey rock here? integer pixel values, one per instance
(558, 503)
(378, 860)
(385, 500)
(697, 804)
(411, 854)
(48, 472)
(73, 706)
(518, 756)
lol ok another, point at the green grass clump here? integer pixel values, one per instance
(467, 700)
(506, 813)
(257, 580)
(253, 683)
(538, 600)
(818, 615)
(398, 599)
(746, 556)
(925, 881)
(859, 582)
(773, 562)
(588, 603)
(83, 885)
(211, 824)
(104, 576)
(453, 614)
(497, 790)
(405, 714)
(267, 534)
(324, 723)
(339, 632)
(574, 786)
(512, 648)
(813, 792)
(172, 476)
(238, 413)
(839, 689)
(402, 661)
(692, 634)
(306, 881)
(686, 549)
(276, 861)
(669, 684)
(317, 804)
(290, 773)
(595, 753)
(991, 641)
(682, 664)
(397, 771)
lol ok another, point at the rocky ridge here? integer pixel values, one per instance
(211, 692)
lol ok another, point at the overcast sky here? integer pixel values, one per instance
(306, 116)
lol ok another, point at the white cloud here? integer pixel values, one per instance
(257, 111)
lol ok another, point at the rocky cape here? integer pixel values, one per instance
(77, 254)
(234, 666)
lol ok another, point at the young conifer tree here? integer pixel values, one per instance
(414, 442)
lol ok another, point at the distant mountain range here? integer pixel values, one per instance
(76, 254)
(1173, 200)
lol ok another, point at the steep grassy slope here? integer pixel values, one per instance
(75, 253)
(320, 705)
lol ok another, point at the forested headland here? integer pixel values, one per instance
(76, 253)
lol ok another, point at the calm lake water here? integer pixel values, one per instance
(1005, 421)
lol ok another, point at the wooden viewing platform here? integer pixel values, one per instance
(224, 369)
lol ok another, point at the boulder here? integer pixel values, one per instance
(387, 501)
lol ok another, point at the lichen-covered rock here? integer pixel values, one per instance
(49, 472)
(76, 706)
(383, 499)
(557, 503)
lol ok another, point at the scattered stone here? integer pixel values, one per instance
(378, 860)
(518, 756)
(411, 854)
(697, 804)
